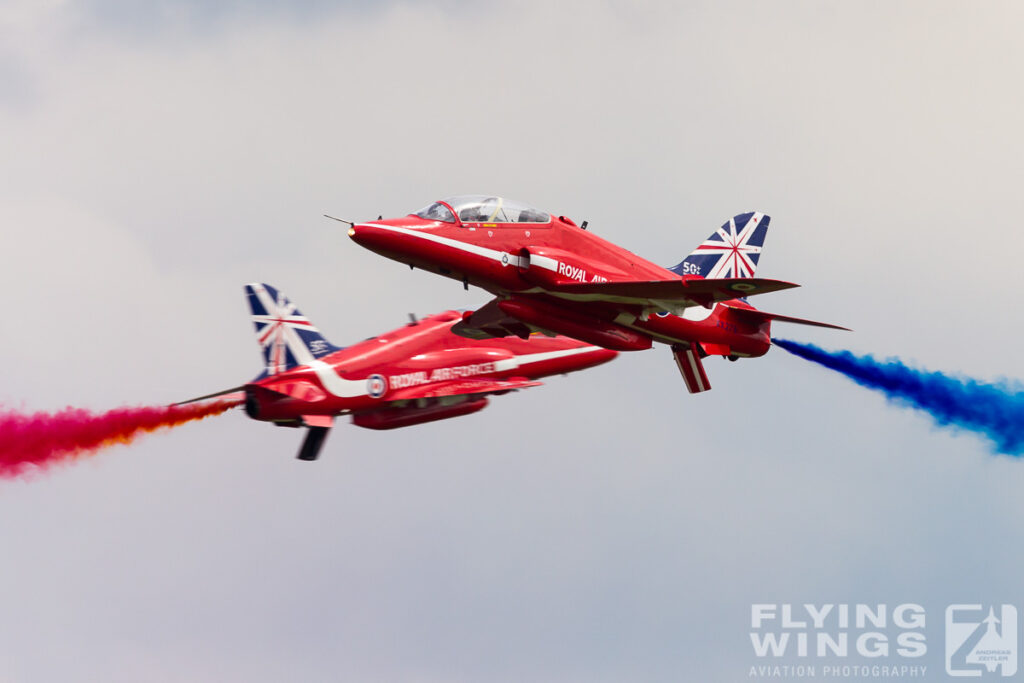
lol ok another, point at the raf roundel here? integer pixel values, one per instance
(376, 386)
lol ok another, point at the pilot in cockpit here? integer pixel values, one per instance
(473, 214)
(484, 211)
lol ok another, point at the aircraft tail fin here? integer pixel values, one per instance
(288, 339)
(732, 251)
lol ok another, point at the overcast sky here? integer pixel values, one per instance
(604, 527)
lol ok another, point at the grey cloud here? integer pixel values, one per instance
(606, 526)
(177, 18)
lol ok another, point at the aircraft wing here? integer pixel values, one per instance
(683, 293)
(458, 387)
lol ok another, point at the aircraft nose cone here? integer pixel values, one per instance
(384, 240)
(356, 231)
(367, 235)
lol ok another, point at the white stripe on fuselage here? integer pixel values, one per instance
(545, 262)
(502, 257)
(527, 359)
(348, 388)
(336, 384)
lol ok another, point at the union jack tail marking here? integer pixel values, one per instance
(731, 251)
(287, 337)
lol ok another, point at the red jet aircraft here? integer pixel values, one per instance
(418, 373)
(551, 275)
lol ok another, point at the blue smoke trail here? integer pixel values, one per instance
(993, 410)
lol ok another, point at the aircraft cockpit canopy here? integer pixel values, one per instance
(479, 208)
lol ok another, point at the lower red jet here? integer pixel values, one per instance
(551, 275)
(418, 373)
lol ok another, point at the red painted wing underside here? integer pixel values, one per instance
(686, 292)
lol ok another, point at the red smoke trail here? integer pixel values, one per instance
(37, 440)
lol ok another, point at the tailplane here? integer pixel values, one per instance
(755, 317)
(732, 251)
(287, 337)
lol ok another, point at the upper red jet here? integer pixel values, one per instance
(551, 275)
